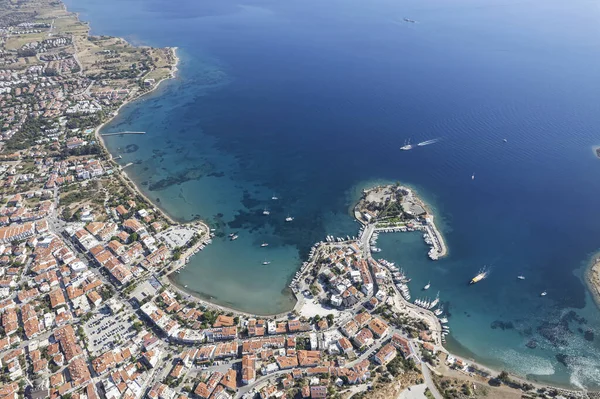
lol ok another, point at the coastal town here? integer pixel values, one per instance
(87, 309)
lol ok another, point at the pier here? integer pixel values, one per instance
(119, 133)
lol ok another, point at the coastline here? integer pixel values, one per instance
(122, 173)
(592, 277)
(595, 266)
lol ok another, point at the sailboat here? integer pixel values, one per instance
(274, 198)
(266, 262)
(266, 212)
(264, 244)
(289, 218)
(521, 277)
(544, 293)
(427, 286)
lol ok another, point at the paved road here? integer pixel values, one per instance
(415, 392)
(429, 381)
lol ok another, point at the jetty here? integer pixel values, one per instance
(119, 133)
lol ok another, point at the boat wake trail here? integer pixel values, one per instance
(428, 142)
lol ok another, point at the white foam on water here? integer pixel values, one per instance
(524, 364)
(585, 372)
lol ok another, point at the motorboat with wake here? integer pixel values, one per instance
(407, 146)
(480, 276)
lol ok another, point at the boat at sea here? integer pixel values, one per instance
(266, 212)
(521, 277)
(412, 21)
(473, 176)
(234, 237)
(289, 219)
(266, 262)
(544, 293)
(480, 276)
(264, 244)
(407, 146)
(427, 286)
(274, 198)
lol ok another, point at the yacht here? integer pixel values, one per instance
(435, 301)
(289, 219)
(480, 276)
(473, 176)
(266, 262)
(266, 212)
(505, 140)
(234, 237)
(274, 198)
(427, 286)
(544, 293)
(264, 244)
(521, 277)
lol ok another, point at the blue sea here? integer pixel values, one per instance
(310, 100)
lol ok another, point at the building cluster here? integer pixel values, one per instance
(85, 309)
(350, 277)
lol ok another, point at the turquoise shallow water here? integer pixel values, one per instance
(310, 101)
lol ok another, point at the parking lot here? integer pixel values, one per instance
(147, 288)
(176, 236)
(105, 331)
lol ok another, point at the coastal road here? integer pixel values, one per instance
(365, 239)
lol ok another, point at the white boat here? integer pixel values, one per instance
(438, 312)
(234, 237)
(473, 176)
(435, 301)
(264, 244)
(289, 219)
(505, 140)
(266, 212)
(521, 277)
(427, 286)
(266, 262)
(407, 146)
(274, 198)
(544, 293)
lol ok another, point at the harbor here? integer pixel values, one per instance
(378, 277)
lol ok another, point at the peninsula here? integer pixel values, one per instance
(86, 310)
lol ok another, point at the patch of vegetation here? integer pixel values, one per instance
(26, 136)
